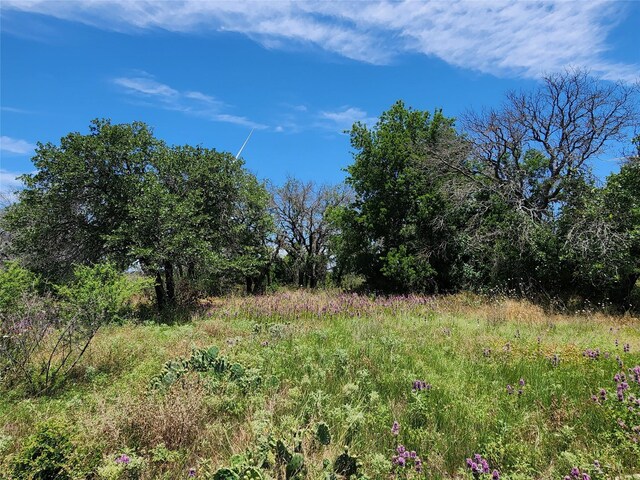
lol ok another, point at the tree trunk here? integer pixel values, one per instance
(160, 300)
(249, 281)
(171, 288)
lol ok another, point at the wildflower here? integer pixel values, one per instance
(585, 476)
(418, 464)
(521, 382)
(192, 472)
(627, 348)
(395, 429)
(575, 472)
(495, 475)
(509, 389)
(123, 459)
(419, 385)
(399, 460)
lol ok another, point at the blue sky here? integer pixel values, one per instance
(299, 73)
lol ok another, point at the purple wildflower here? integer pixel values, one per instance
(395, 429)
(123, 459)
(192, 472)
(522, 382)
(399, 460)
(418, 464)
(509, 389)
(495, 475)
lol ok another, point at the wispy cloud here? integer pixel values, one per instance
(15, 145)
(500, 37)
(345, 117)
(15, 110)
(189, 102)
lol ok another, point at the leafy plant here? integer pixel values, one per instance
(47, 454)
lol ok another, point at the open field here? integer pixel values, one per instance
(499, 378)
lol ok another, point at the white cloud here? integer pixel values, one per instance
(188, 102)
(14, 145)
(345, 117)
(500, 37)
(146, 86)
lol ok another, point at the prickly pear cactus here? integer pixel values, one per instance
(282, 452)
(295, 469)
(225, 474)
(322, 434)
(347, 465)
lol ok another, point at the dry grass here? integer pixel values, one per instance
(175, 419)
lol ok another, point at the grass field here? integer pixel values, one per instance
(460, 375)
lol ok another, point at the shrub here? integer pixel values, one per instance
(47, 454)
(43, 341)
(15, 282)
(124, 466)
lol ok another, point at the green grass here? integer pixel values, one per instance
(350, 362)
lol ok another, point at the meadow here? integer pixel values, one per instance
(325, 385)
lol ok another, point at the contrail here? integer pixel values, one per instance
(243, 145)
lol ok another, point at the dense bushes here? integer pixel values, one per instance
(506, 203)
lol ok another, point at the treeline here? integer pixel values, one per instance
(503, 200)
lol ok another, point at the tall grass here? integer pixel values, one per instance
(350, 361)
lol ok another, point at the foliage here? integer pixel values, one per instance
(119, 194)
(354, 364)
(46, 454)
(206, 361)
(506, 204)
(44, 340)
(392, 232)
(78, 196)
(124, 466)
(15, 283)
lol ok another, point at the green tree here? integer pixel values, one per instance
(78, 197)
(394, 233)
(601, 231)
(119, 194)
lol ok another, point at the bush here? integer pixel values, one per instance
(15, 282)
(42, 341)
(100, 294)
(47, 454)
